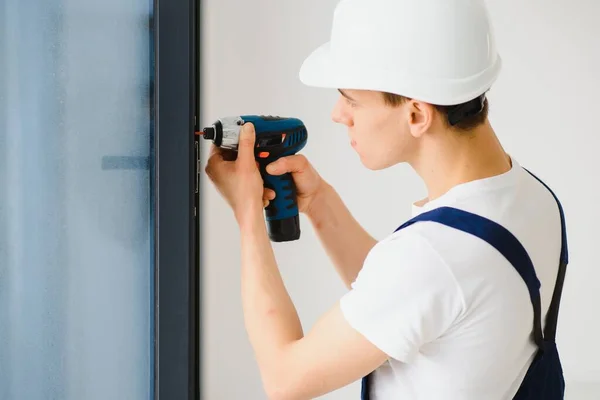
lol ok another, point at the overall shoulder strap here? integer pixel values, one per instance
(502, 240)
(552, 315)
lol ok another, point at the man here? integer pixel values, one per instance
(432, 312)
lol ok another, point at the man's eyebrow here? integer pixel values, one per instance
(346, 95)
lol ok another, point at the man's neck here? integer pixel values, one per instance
(448, 159)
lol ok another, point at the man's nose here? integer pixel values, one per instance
(340, 115)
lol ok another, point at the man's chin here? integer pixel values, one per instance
(372, 163)
(377, 164)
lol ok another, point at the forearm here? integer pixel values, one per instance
(345, 241)
(271, 319)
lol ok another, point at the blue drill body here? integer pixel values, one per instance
(276, 137)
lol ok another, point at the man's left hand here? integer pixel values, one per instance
(238, 179)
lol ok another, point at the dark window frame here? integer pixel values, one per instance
(175, 91)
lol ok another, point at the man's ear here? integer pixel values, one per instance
(420, 117)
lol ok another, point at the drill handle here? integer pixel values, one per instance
(282, 212)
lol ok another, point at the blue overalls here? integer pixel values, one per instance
(544, 378)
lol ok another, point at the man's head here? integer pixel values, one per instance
(386, 129)
(441, 52)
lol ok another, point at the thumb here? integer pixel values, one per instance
(246, 145)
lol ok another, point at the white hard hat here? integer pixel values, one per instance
(439, 51)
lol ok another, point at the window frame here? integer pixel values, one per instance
(175, 175)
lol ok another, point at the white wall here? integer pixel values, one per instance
(544, 108)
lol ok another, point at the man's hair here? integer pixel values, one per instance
(466, 124)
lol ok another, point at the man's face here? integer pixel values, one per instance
(378, 132)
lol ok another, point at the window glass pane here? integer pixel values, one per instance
(76, 249)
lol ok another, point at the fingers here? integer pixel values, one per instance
(295, 163)
(245, 155)
(242, 159)
(213, 158)
(213, 150)
(268, 196)
(219, 158)
(221, 153)
(228, 155)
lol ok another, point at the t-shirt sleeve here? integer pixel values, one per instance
(404, 296)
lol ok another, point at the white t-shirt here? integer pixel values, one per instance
(452, 314)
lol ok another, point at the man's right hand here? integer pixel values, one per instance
(345, 241)
(308, 182)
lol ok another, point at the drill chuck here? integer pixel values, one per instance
(225, 132)
(209, 133)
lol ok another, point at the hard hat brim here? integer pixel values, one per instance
(322, 69)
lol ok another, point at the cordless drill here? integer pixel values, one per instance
(276, 137)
